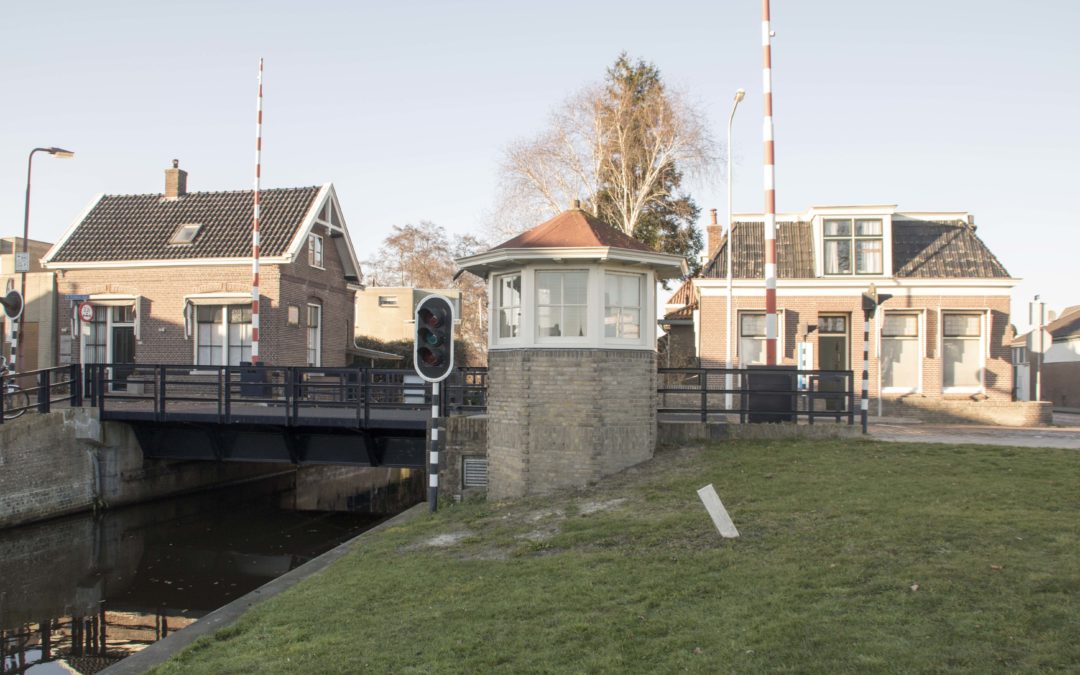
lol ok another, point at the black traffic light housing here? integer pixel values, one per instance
(433, 349)
(871, 299)
(12, 304)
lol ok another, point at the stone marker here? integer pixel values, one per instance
(716, 510)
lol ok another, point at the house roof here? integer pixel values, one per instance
(1065, 327)
(924, 249)
(571, 229)
(683, 296)
(139, 227)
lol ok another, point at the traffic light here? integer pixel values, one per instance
(12, 304)
(433, 350)
(871, 299)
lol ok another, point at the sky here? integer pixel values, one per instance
(408, 106)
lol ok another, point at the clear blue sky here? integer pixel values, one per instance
(406, 106)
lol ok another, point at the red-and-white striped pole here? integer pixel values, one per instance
(770, 193)
(255, 226)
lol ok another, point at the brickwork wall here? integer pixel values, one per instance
(944, 411)
(465, 437)
(567, 417)
(163, 289)
(801, 312)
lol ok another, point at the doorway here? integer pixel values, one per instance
(833, 354)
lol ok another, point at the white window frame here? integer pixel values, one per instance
(318, 336)
(920, 340)
(105, 303)
(779, 335)
(983, 342)
(316, 251)
(853, 238)
(641, 308)
(226, 346)
(496, 316)
(589, 300)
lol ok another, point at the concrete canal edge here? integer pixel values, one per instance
(163, 650)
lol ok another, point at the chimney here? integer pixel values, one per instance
(971, 222)
(713, 234)
(175, 181)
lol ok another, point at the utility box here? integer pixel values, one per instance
(771, 393)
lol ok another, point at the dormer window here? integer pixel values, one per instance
(185, 234)
(853, 245)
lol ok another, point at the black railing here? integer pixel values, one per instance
(43, 389)
(756, 394)
(288, 396)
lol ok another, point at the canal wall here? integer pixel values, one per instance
(68, 461)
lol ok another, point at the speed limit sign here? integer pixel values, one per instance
(86, 312)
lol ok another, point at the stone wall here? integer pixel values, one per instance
(466, 437)
(567, 417)
(66, 462)
(970, 411)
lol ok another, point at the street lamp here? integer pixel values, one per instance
(24, 264)
(739, 95)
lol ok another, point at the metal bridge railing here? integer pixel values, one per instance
(757, 394)
(39, 390)
(270, 394)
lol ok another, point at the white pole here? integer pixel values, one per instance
(730, 239)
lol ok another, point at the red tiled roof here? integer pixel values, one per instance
(572, 229)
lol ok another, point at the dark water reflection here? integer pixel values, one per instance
(80, 593)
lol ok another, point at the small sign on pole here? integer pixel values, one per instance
(86, 312)
(717, 512)
(22, 262)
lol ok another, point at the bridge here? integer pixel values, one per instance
(300, 415)
(373, 416)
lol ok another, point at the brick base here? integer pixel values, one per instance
(945, 411)
(566, 417)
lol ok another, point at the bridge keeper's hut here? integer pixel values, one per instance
(572, 353)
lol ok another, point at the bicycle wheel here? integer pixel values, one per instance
(15, 403)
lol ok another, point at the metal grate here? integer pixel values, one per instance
(474, 472)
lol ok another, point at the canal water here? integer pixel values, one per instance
(78, 594)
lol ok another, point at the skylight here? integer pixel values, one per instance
(185, 234)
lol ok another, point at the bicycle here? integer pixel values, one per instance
(16, 402)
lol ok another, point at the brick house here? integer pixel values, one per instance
(169, 277)
(38, 321)
(1060, 364)
(943, 335)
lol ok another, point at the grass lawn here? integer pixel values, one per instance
(855, 556)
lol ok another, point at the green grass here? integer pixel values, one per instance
(630, 576)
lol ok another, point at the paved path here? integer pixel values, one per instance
(1066, 433)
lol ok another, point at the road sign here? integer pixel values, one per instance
(76, 298)
(22, 262)
(86, 312)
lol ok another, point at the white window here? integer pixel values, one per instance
(95, 337)
(223, 335)
(961, 350)
(853, 246)
(314, 335)
(751, 339)
(622, 305)
(388, 301)
(508, 305)
(315, 250)
(900, 359)
(562, 303)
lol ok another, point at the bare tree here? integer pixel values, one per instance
(621, 147)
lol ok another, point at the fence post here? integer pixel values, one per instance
(703, 380)
(99, 385)
(43, 392)
(75, 378)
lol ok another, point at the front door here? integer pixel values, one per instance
(833, 348)
(123, 355)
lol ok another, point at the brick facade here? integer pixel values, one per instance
(162, 291)
(799, 312)
(566, 417)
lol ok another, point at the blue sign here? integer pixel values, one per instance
(77, 298)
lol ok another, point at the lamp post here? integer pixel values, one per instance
(24, 265)
(739, 95)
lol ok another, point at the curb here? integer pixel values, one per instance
(163, 650)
